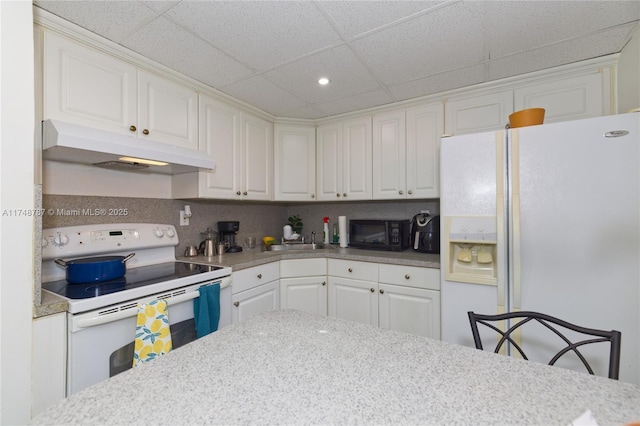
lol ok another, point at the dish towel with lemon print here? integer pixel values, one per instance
(153, 336)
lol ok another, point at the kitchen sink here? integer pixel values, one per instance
(296, 247)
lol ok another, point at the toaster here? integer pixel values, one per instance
(425, 233)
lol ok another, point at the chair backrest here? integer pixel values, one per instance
(558, 327)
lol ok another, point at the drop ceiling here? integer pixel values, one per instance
(271, 54)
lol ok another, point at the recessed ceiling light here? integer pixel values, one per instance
(323, 81)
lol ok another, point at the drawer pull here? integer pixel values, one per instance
(133, 128)
(259, 276)
(381, 291)
(373, 290)
(236, 304)
(324, 283)
(350, 270)
(145, 131)
(407, 276)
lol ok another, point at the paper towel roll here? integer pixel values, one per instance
(342, 229)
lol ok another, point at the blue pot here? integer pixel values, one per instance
(95, 269)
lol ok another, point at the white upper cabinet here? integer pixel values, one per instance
(344, 160)
(406, 147)
(295, 162)
(242, 147)
(478, 113)
(91, 88)
(569, 98)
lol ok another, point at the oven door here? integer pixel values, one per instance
(101, 342)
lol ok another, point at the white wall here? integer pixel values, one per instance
(16, 192)
(629, 74)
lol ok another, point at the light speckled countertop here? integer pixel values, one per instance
(290, 367)
(51, 304)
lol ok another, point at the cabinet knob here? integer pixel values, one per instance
(407, 276)
(324, 283)
(145, 131)
(381, 291)
(344, 194)
(133, 128)
(400, 192)
(259, 276)
(338, 194)
(350, 270)
(373, 290)
(236, 303)
(313, 195)
(245, 193)
(238, 193)
(410, 192)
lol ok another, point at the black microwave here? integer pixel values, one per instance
(379, 234)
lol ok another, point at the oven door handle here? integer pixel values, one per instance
(132, 311)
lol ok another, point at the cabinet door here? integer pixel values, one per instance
(49, 367)
(257, 170)
(389, 156)
(87, 87)
(220, 128)
(259, 299)
(479, 113)
(295, 162)
(357, 162)
(329, 162)
(307, 294)
(572, 98)
(410, 310)
(353, 300)
(424, 130)
(167, 111)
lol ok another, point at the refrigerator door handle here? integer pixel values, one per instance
(515, 220)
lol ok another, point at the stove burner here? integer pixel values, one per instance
(134, 278)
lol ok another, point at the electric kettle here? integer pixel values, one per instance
(425, 233)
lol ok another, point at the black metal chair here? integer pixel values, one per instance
(552, 323)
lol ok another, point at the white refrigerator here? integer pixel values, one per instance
(545, 218)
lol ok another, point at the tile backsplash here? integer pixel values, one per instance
(256, 219)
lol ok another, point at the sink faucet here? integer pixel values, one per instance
(313, 237)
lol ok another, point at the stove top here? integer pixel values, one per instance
(134, 278)
(137, 282)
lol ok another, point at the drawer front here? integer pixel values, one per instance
(410, 276)
(353, 269)
(252, 277)
(292, 268)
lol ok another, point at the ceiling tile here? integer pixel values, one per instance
(110, 19)
(166, 43)
(439, 83)
(517, 26)
(591, 46)
(263, 94)
(355, 103)
(357, 17)
(347, 74)
(425, 45)
(258, 34)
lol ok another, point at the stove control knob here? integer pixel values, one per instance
(60, 240)
(158, 232)
(170, 233)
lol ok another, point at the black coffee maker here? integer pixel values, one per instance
(227, 231)
(425, 233)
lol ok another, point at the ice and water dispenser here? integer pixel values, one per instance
(470, 244)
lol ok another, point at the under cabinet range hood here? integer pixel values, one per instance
(72, 143)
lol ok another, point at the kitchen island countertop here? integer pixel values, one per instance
(290, 367)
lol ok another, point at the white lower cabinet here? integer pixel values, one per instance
(49, 364)
(303, 285)
(402, 298)
(255, 290)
